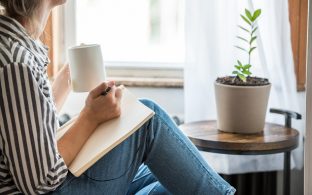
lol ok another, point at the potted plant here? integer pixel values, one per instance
(242, 99)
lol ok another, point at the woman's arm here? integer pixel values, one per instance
(70, 144)
(98, 109)
(61, 87)
(27, 126)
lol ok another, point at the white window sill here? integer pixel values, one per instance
(146, 77)
(148, 82)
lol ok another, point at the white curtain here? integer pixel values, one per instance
(211, 30)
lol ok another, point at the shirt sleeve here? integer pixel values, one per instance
(27, 131)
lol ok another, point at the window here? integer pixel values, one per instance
(136, 33)
(148, 33)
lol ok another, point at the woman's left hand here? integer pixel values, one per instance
(64, 73)
(61, 86)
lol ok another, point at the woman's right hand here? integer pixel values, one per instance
(99, 108)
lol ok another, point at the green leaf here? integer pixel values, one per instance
(256, 14)
(243, 28)
(254, 30)
(248, 14)
(246, 72)
(246, 20)
(239, 63)
(242, 77)
(237, 67)
(253, 48)
(241, 38)
(252, 39)
(241, 48)
(235, 72)
(247, 66)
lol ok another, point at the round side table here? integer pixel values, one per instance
(274, 139)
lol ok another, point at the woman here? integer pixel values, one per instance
(33, 162)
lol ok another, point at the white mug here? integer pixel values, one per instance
(86, 67)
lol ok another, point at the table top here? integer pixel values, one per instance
(274, 139)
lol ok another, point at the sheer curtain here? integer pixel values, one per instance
(211, 30)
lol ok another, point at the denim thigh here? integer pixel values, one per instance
(113, 173)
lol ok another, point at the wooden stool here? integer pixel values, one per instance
(274, 139)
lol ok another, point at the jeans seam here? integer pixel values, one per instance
(131, 164)
(193, 156)
(146, 174)
(154, 189)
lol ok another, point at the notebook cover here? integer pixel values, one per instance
(109, 134)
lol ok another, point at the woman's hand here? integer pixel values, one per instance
(100, 108)
(61, 86)
(97, 110)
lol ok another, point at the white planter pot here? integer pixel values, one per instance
(241, 109)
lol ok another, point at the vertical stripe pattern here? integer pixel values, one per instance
(29, 159)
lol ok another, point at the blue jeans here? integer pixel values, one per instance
(171, 165)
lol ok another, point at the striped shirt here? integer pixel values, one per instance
(29, 158)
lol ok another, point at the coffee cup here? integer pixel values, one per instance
(86, 67)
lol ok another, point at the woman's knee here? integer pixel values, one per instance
(154, 106)
(149, 103)
(159, 111)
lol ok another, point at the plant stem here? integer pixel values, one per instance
(250, 44)
(249, 54)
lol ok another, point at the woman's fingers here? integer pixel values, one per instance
(111, 83)
(104, 107)
(102, 89)
(96, 92)
(118, 93)
(111, 93)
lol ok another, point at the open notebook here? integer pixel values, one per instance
(109, 134)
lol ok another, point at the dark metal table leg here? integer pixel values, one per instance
(286, 183)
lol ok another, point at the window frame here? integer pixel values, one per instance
(298, 14)
(57, 37)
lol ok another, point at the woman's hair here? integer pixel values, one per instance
(19, 9)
